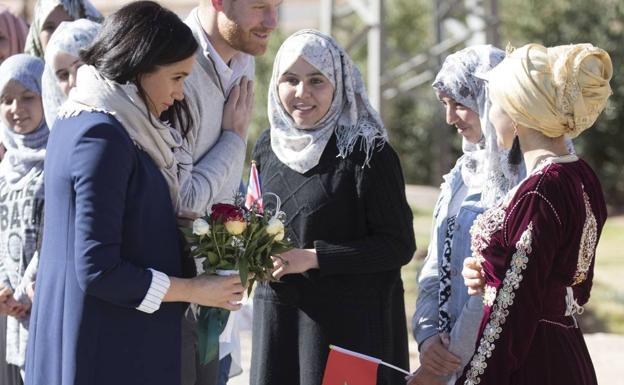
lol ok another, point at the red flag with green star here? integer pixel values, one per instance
(345, 367)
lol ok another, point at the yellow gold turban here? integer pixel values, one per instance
(558, 90)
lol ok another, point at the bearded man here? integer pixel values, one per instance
(230, 33)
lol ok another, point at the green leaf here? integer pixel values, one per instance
(250, 287)
(212, 258)
(243, 269)
(187, 231)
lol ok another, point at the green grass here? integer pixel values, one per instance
(605, 310)
(409, 273)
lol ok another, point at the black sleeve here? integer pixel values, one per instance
(390, 242)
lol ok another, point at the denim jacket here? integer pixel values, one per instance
(465, 314)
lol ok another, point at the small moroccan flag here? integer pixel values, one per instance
(254, 191)
(345, 367)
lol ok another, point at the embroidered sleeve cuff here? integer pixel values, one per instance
(157, 290)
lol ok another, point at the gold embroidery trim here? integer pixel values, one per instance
(504, 300)
(482, 229)
(587, 247)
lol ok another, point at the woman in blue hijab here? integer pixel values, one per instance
(25, 135)
(446, 321)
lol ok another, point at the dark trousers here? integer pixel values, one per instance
(9, 374)
(193, 372)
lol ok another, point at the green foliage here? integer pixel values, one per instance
(426, 145)
(264, 69)
(600, 22)
(414, 120)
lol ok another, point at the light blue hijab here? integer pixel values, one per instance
(25, 152)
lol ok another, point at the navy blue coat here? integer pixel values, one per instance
(108, 218)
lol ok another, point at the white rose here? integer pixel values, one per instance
(279, 236)
(275, 227)
(200, 227)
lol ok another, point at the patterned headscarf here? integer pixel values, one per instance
(70, 38)
(77, 9)
(557, 91)
(350, 115)
(486, 165)
(25, 152)
(459, 75)
(13, 29)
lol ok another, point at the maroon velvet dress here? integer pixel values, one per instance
(537, 251)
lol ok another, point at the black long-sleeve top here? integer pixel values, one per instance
(358, 220)
(355, 216)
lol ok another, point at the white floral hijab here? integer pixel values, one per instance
(70, 37)
(461, 77)
(350, 116)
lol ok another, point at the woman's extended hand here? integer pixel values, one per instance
(294, 261)
(17, 309)
(207, 290)
(5, 294)
(30, 291)
(422, 377)
(238, 109)
(435, 357)
(473, 276)
(211, 290)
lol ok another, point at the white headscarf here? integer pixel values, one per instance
(486, 167)
(77, 9)
(160, 141)
(350, 115)
(70, 37)
(25, 152)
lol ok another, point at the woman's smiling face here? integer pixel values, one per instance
(305, 93)
(20, 108)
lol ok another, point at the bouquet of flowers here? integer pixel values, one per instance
(239, 238)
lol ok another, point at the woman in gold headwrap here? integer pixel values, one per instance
(533, 256)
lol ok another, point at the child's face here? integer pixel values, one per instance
(20, 108)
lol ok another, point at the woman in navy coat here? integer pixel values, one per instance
(108, 305)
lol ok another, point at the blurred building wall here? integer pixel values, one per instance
(294, 14)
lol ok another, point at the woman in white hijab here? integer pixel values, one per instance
(341, 186)
(49, 14)
(62, 59)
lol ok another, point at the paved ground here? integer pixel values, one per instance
(422, 197)
(607, 351)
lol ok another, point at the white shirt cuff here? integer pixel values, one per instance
(157, 290)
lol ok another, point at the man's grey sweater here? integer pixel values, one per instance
(217, 155)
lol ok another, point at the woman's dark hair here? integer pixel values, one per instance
(515, 154)
(137, 39)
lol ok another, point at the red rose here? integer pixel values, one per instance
(223, 212)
